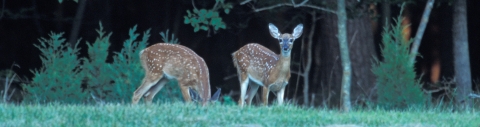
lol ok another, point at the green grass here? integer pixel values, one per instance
(179, 114)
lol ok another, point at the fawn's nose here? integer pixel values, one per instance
(285, 45)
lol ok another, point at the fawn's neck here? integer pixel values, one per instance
(284, 62)
(282, 67)
(279, 74)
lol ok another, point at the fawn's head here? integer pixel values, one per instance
(204, 101)
(285, 40)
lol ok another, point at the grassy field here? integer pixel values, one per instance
(179, 114)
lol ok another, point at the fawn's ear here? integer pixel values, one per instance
(216, 95)
(297, 31)
(194, 95)
(273, 30)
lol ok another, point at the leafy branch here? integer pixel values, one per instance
(204, 19)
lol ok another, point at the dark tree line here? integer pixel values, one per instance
(316, 59)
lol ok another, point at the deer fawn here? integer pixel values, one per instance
(163, 62)
(257, 63)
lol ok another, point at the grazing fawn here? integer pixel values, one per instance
(163, 62)
(257, 63)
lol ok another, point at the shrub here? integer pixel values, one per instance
(116, 81)
(396, 83)
(126, 71)
(97, 70)
(59, 78)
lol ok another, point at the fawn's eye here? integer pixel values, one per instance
(280, 40)
(290, 40)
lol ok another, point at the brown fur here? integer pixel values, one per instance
(262, 66)
(178, 62)
(271, 69)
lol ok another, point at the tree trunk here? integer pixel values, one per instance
(386, 15)
(77, 22)
(362, 50)
(345, 56)
(462, 59)
(308, 60)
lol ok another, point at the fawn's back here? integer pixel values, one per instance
(163, 62)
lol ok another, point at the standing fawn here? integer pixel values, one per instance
(257, 63)
(163, 62)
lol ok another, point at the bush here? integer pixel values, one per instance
(59, 78)
(396, 83)
(96, 68)
(126, 71)
(116, 81)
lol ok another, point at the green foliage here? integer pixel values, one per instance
(181, 114)
(116, 81)
(59, 78)
(228, 100)
(204, 18)
(170, 93)
(396, 83)
(166, 40)
(96, 68)
(126, 70)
